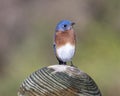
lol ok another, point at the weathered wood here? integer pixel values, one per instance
(59, 80)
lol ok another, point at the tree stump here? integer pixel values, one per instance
(59, 80)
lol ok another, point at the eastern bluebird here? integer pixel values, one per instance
(64, 41)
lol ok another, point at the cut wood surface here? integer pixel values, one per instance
(59, 80)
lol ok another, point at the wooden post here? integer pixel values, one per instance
(59, 80)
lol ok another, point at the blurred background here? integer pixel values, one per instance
(26, 38)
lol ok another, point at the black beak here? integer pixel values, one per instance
(73, 23)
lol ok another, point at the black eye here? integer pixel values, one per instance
(65, 25)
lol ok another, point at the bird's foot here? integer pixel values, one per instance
(62, 63)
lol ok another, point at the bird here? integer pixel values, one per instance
(64, 42)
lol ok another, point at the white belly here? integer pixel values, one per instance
(66, 52)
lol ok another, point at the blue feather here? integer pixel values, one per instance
(64, 25)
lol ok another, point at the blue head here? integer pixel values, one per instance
(64, 25)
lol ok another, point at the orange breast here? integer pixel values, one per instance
(62, 38)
